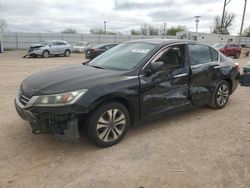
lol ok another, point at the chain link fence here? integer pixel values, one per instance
(13, 40)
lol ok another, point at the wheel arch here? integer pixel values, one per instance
(46, 50)
(229, 81)
(67, 49)
(118, 99)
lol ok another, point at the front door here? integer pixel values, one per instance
(166, 88)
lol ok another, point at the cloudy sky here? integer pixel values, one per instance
(121, 15)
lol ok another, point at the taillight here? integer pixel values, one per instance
(237, 66)
(93, 49)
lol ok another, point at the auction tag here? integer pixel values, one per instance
(144, 51)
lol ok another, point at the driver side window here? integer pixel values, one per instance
(171, 57)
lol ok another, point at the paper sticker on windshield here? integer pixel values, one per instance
(144, 51)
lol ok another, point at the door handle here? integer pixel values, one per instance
(180, 75)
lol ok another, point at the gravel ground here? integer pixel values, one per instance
(199, 148)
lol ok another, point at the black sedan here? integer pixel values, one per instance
(134, 81)
(95, 51)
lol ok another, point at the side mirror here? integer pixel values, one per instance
(50, 45)
(156, 66)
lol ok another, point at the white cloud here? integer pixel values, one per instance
(121, 15)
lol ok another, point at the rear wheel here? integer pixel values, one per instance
(45, 54)
(221, 95)
(108, 124)
(67, 53)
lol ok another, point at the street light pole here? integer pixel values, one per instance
(242, 22)
(105, 26)
(197, 20)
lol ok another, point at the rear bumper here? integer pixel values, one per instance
(235, 82)
(61, 122)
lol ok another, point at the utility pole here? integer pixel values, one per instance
(105, 27)
(223, 12)
(197, 20)
(211, 28)
(164, 28)
(242, 22)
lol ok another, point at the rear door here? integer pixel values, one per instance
(167, 88)
(204, 67)
(63, 47)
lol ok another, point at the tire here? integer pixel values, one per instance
(67, 53)
(102, 129)
(237, 55)
(45, 54)
(220, 95)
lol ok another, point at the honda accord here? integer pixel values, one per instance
(134, 81)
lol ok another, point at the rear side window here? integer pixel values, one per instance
(199, 54)
(214, 54)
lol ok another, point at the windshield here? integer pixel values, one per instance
(218, 45)
(123, 57)
(44, 43)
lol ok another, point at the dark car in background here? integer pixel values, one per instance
(95, 51)
(231, 49)
(134, 81)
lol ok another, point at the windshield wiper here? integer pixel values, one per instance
(95, 66)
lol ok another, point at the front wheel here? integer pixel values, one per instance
(221, 95)
(108, 124)
(45, 54)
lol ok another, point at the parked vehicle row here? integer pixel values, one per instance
(59, 47)
(133, 81)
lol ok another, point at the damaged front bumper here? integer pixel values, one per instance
(62, 122)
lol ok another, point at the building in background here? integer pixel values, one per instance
(211, 39)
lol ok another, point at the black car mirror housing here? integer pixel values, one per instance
(156, 66)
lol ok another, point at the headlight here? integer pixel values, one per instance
(58, 99)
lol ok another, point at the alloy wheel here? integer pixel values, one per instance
(111, 125)
(222, 95)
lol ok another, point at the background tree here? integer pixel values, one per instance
(134, 32)
(3, 25)
(69, 31)
(101, 31)
(246, 32)
(226, 23)
(148, 29)
(173, 30)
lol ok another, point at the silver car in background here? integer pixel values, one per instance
(81, 46)
(47, 48)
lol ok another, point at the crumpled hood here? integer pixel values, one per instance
(36, 45)
(67, 78)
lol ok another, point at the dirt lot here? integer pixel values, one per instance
(199, 148)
